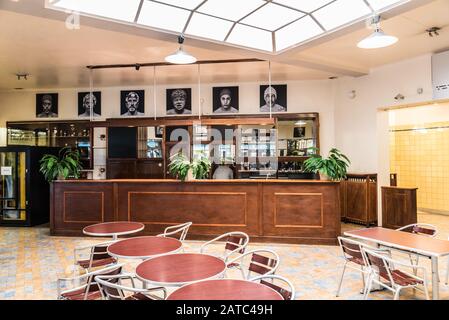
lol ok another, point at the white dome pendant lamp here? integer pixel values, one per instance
(180, 56)
(378, 39)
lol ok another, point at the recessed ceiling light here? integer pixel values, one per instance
(162, 16)
(125, 10)
(204, 26)
(188, 4)
(341, 12)
(304, 5)
(272, 17)
(381, 4)
(297, 32)
(230, 9)
(251, 37)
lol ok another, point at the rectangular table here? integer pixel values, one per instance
(405, 241)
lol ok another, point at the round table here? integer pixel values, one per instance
(114, 229)
(143, 247)
(225, 289)
(180, 269)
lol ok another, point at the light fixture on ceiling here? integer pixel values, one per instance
(433, 31)
(378, 39)
(300, 123)
(180, 56)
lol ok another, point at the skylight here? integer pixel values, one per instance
(263, 25)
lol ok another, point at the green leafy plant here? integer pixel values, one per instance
(180, 165)
(66, 164)
(335, 166)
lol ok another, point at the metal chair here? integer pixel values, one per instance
(112, 288)
(182, 229)
(98, 256)
(84, 286)
(286, 294)
(259, 263)
(383, 271)
(424, 229)
(235, 242)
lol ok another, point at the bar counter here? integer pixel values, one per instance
(288, 211)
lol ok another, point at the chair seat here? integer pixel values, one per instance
(139, 296)
(96, 263)
(357, 260)
(79, 295)
(402, 278)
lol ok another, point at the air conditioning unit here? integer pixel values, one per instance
(440, 75)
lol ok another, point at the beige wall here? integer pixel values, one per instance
(303, 96)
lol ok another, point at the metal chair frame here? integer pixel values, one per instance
(87, 278)
(77, 251)
(389, 265)
(240, 248)
(121, 289)
(173, 230)
(280, 290)
(271, 265)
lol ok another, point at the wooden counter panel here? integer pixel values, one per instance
(303, 211)
(77, 206)
(300, 212)
(209, 207)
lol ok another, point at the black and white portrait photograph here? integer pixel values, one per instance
(226, 99)
(159, 132)
(299, 132)
(179, 101)
(132, 103)
(86, 106)
(47, 105)
(276, 96)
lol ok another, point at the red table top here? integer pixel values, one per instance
(226, 289)
(113, 228)
(179, 269)
(143, 247)
(403, 240)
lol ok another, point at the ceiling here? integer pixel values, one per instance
(267, 25)
(35, 40)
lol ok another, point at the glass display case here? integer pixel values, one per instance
(76, 134)
(149, 144)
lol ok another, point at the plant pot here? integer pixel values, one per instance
(324, 177)
(190, 176)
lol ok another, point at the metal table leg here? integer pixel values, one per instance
(435, 279)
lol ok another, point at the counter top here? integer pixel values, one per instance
(255, 181)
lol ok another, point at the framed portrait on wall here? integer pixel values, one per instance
(159, 132)
(299, 132)
(179, 101)
(86, 107)
(46, 105)
(225, 100)
(276, 95)
(132, 103)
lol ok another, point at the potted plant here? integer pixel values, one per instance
(181, 167)
(66, 164)
(334, 167)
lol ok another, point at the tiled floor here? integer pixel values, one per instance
(31, 261)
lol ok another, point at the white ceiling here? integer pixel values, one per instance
(267, 25)
(35, 40)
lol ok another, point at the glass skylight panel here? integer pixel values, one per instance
(208, 27)
(230, 9)
(381, 4)
(297, 32)
(251, 37)
(124, 10)
(272, 17)
(304, 5)
(188, 4)
(341, 12)
(162, 16)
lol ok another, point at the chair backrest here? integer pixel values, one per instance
(110, 286)
(99, 252)
(180, 230)
(420, 228)
(92, 285)
(234, 240)
(352, 250)
(287, 294)
(263, 261)
(379, 263)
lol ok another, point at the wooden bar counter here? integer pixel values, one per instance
(289, 211)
